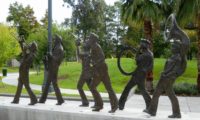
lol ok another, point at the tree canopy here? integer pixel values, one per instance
(9, 45)
(23, 18)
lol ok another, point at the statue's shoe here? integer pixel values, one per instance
(97, 109)
(94, 106)
(84, 105)
(121, 107)
(41, 101)
(33, 102)
(113, 110)
(175, 116)
(15, 102)
(60, 102)
(150, 113)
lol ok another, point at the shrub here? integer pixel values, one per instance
(186, 89)
(183, 89)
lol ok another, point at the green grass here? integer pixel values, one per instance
(70, 71)
(7, 89)
(11, 69)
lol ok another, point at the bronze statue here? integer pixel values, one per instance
(144, 62)
(100, 74)
(28, 54)
(86, 74)
(174, 67)
(45, 62)
(54, 60)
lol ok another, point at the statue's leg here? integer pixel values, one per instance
(112, 96)
(154, 101)
(57, 92)
(89, 81)
(175, 103)
(80, 84)
(97, 97)
(146, 96)
(18, 92)
(45, 91)
(30, 92)
(125, 93)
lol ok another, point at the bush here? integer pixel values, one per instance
(186, 89)
(182, 89)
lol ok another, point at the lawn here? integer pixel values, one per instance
(12, 89)
(70, 71)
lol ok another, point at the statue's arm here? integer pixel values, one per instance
(148, 60)
(59, 54)
(172, 69)
(30, 56)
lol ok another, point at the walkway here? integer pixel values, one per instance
(12, 79)
(189, 105)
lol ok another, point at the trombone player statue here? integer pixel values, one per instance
(54, 60)
(174, 67)
(144, 62)
(28, 55)
(100, 74)
(86, 74)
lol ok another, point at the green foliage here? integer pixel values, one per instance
(69, 74)
(114, 29)
(40, 36)
(9, 45)
(95, 16)
(139, 10)
(186, 89)
(160, 47)
(87, 16)
(133, 36)
(68, 41)
(23, 18)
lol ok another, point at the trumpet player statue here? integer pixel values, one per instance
(28, 55)
(144, 62)
(54, 60)
(174, 67)
(100, 74)
(86, 74)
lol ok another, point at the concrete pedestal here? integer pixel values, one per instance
(70, 110)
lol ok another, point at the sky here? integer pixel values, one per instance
(39, 7)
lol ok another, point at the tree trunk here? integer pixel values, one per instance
(148, 32)
(148, 35)
(198, 54)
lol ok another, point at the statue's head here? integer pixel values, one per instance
(33, 46)
(86, 48)
(172, 30)
(57, 39)
(144, 44)
(92, 40)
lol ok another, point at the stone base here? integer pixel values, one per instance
(70, 110)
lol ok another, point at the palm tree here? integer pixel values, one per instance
(146, 11)
(189, 10)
